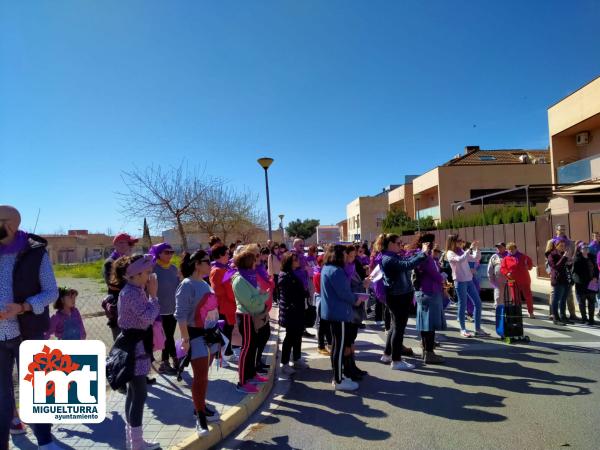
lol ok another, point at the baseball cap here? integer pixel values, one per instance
(500, 244)
(124, 237)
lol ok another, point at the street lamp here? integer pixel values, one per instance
(281, 216)
(265, 163)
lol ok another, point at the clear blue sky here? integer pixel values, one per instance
(347, 96)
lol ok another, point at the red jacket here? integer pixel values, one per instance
(518, 266)
(317, 282)
(224, 293)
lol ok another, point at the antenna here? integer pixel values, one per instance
(36, 220)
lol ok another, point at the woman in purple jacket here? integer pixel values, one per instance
(428, 283)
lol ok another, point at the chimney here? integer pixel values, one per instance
(471, 149)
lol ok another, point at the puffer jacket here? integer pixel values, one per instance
(292, 296)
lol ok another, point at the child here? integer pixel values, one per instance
(66, 324)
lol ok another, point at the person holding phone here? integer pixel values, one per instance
(463, 281)
(337, 300)
(399, 293)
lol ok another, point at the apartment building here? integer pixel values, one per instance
(365, 215)
(574, 129)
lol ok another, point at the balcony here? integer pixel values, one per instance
(433, 211)
(578, 171)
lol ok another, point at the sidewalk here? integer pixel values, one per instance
(168, 414)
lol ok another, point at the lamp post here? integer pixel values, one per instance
(265, 163)
(281, 216)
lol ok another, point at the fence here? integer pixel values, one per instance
(530, 237)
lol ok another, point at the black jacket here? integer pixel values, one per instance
(120, 363)
(26, 283)
(584, 269)
(292, 297)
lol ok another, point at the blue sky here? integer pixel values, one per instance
(346, 96)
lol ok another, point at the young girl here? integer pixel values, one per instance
(66, 324)
(196, 311)
(225, 298)
(138, 309)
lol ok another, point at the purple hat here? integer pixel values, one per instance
(157, 249)
(139, 265)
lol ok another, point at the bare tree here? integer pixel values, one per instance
(164, 195)
(224, 210)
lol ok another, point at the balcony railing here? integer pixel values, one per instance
(433, 211)
(579, 171)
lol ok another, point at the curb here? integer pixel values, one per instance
(236, 415)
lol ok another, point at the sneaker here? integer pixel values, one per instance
(17, 427)
(470, 318)
(201, 426)
(386, 359)
(401, 365)
(466, 334)
(432, 358)
(299, 364)
(287, 370)
(211, 414)
(324, 351)
(346, 385)
(259, 379)
(166, 369)
(532, 316)
(558, 322)
(306, 334)
(150, 381)
(482, 333)
(247, 388)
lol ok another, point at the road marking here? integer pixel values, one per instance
(545, 333)
(583, 329)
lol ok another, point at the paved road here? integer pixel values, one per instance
(490, 395)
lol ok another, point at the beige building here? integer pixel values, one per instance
(343, 227)
(574, 129)
(481, 172)
(198, 239)
(365, 215)
(401, 198)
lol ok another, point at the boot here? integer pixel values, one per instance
(349, 371)
(355, 367)
(138, 442)
(127, 436)
(432, 358)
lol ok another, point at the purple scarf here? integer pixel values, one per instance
(350, 269)
(364, 260)
(115, 255)
(219, 265)
(18, 244)
(250, 276)
(262, 272)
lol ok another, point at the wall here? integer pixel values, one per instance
(575, 108)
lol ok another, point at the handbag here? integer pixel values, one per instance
(260, 320)
(158, 336)
(593, 286)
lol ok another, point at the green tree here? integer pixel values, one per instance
(302, 228)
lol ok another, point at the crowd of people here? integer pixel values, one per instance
(221, 288)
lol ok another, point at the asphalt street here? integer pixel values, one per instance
(488, 395)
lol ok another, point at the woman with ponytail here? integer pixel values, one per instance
(399, 294)
(250, 301)
(196, 310)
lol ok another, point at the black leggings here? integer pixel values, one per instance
(262, 336)
(428, 339)
(352, 333)
(169, 323)
(382, 313)
(339, 338)
(134, 402)
(228, 332)
(291, 342)
(324, 333)
(399, 306)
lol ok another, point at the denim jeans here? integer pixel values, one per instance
(559, 301)
(466, 289)
(9, 356)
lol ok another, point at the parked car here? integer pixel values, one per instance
(484, 282)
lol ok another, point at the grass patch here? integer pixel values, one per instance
(91, 270)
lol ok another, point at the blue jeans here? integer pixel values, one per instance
(465, 289)
(559, 301)
(9, 355)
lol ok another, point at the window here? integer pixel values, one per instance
(487, 158)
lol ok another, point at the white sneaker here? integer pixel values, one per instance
(386, 359)
(199, 430)
(402, 365)
(299, 364)
(286, 369)
(346, 385)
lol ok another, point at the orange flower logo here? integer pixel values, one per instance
(47, 361)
